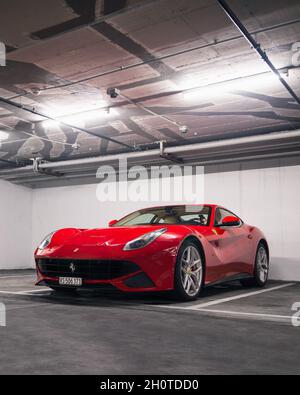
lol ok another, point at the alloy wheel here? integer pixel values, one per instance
(262, 264)
(191, 271)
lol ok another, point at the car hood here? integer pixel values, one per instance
(108, 242)
(109, 236)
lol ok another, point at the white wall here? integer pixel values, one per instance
(268, 198)
(15, 226)
(74, 206)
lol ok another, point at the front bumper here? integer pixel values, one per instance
(139, 271)
(120, 274)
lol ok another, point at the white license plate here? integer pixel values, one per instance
(70, 281)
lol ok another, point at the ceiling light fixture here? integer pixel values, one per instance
(35, 91)
(89, 115)
(66, 110)
(183, 129)
(51, 124)
(3, 135)
(70, 116)
(250, 83)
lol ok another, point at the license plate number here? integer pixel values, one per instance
(70, 281)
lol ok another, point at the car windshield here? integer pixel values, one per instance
(170, 215)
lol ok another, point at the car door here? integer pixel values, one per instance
(232, 244)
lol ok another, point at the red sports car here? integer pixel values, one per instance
(179, 248)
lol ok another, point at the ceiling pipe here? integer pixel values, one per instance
(272, 138)
(207, 158)
(256, 46)
(9, 163)
(91, 175)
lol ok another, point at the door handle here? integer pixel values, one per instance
(250, 236)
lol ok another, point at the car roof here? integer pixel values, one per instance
(184, 205)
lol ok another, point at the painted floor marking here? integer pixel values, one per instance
(262, 315)
(225, 300)
(9, 293)
(35, 291)
(199, 307)
(29, 292)
(241, 296)
(20, 276)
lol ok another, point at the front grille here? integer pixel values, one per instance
(86, 269)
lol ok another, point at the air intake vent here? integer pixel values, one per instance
(86, 269)
(113, 6)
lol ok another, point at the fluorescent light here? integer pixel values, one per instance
(69, 110)
(78, 119)
(203, 92)
(3, 136)
(219, 89)
(51, 124)
(89, 116)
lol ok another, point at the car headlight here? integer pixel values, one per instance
(47, 240)
(144, 240)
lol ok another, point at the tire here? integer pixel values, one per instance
(66, 291)
(189, 272)
(261, 269)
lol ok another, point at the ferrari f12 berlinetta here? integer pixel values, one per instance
(178, 248)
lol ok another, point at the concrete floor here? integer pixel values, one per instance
(229, 330)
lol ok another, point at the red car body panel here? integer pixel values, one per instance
(228, 252)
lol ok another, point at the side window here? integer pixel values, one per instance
(221, 214)
(195, 219)
(146, 218)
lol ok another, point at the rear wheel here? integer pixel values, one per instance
(261, 270)
(189, 272)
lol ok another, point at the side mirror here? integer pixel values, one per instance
(231, 221)
(112, 223)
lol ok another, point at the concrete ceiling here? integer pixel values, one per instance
(171, 56)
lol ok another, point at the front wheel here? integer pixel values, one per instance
(261, 270)
(189, 272)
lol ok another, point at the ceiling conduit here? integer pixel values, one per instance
(244, 146)
(256, 46)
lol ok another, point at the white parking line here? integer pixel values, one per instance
(30, 292)
(35, 291)
(261, 315)
(237, 297)
(9, 293)
(196, 307)
(20, 276)
(241, 296)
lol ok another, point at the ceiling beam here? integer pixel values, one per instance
(158, 58)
